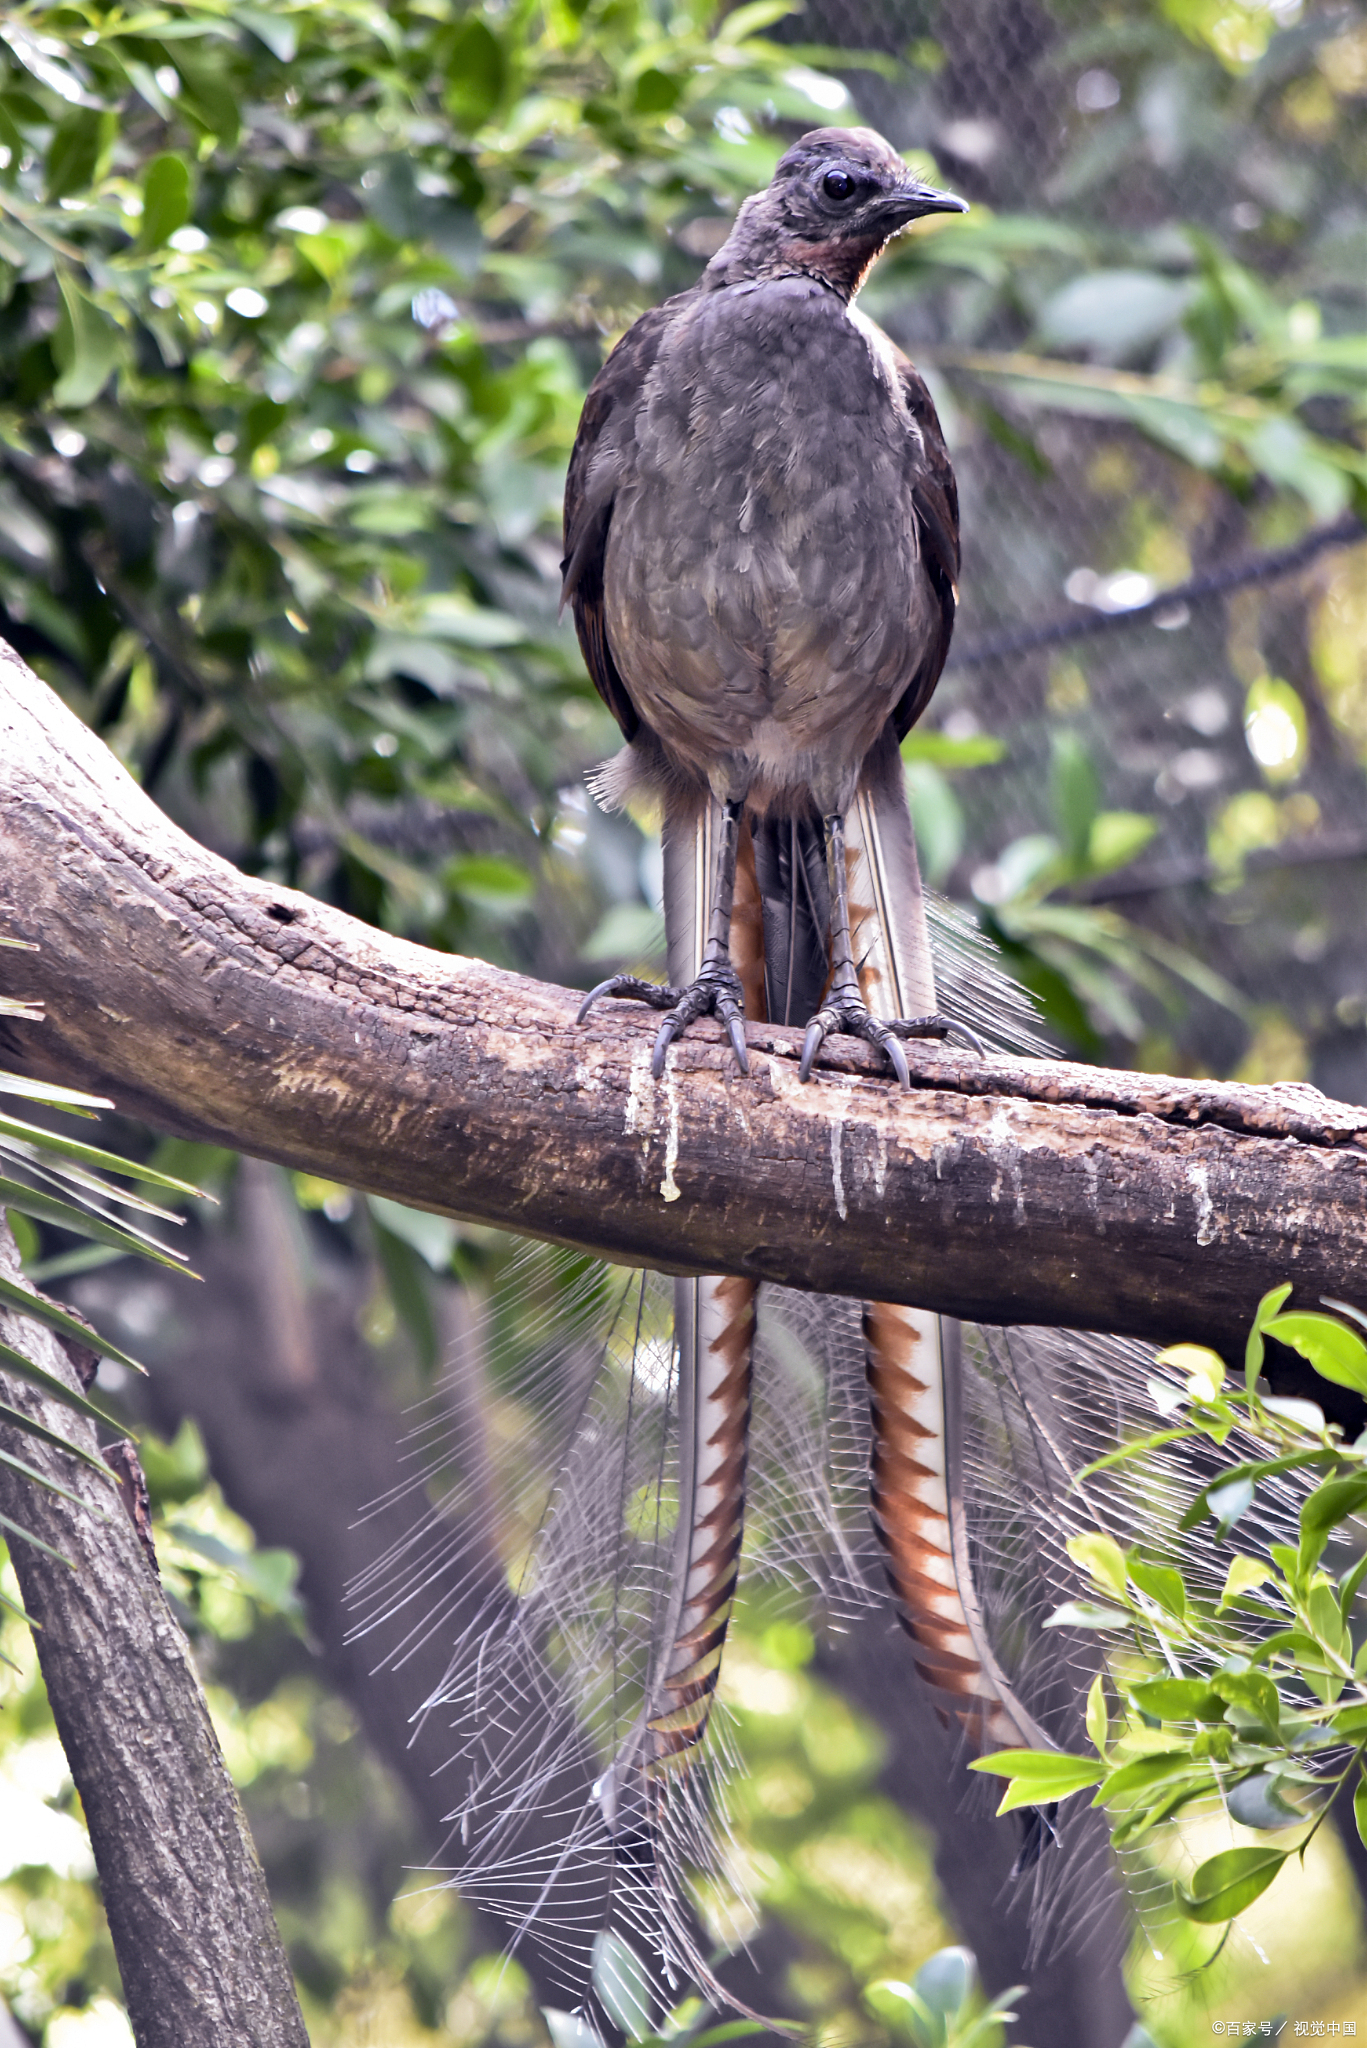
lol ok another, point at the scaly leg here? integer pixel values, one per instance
(844, 1008)
(717, 988)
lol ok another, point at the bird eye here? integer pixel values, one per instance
(839, 185)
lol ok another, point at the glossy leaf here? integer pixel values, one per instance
(1225, 1884)
(1038, 1776)
(1336, 1352)
(1178, 1699)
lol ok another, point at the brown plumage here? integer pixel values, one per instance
(761, 549)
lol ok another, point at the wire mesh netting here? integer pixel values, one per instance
(1149, 632)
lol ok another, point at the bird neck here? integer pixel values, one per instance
(755, 251)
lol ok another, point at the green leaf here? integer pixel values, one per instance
(44, 1479)
(435, 1237)
(1038, 1776)
(1332, 1502)
(1259, 1801)
(1229, 1503)
(16, 1418)
(937, 819)
(1098, 1721)
(499, 887)
(166, 200)
(947, 1980)
(207, 94)
(1143, 1773)
(27, 1536)
(622, 1984)
(979, 750)
(276, 31)
(1076, 793)
(1245, 1575)
(86, 346)
(1142, 1818)
(1178, 1699)
(44, 1311)
(1205, 1369)
(14, 1195)
(74, 1099)
(1271, 1302)
(657, 92)
(1360, 1807)
(1336, 1352)
(79, 148)
(38, 1376)
(1102, 1557)
(477, 75)
(1226, 1883)
(93, 1155)
(1163, 1584)
(1116, 838)
(1087, 1614)
(1251, 1690)
(406, 1276)
(268, 1575)
(1326, 1619)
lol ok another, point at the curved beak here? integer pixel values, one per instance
(915, 199)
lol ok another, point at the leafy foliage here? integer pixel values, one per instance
(297, 311)
(1253, 1695)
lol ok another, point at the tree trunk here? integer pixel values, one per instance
(202, 1963)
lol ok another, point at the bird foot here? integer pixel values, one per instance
(716, 992)
(852, 1016)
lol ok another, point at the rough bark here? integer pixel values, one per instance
(201, 1960)
(1008, 1191)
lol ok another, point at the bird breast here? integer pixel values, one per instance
(765, 600)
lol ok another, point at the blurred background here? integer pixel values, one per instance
(299, 305)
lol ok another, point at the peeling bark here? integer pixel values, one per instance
(201, 1960)
(1010, 1191)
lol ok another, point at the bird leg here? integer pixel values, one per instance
(717, 988)
(844, 1008)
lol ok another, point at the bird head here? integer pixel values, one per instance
(837, 198)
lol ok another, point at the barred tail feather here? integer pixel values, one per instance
(913, 1359)
(714, 1330)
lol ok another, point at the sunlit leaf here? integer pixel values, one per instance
(1038, 1776)
(1223, 1885)
(1336, 1352)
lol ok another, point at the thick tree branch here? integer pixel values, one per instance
(1008, 1190)
(201, 1960)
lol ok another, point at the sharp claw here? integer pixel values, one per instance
(897, 1059)
(664, 1038)
(593, 995)
(811, 1046)
(969, 1038)
(736, 1032)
